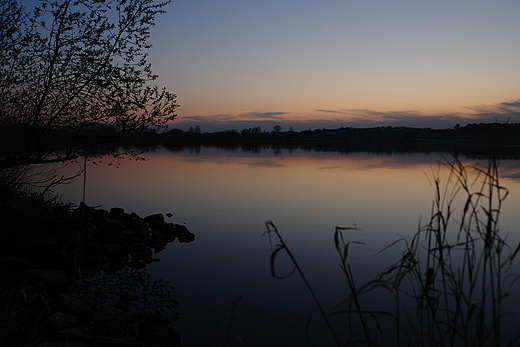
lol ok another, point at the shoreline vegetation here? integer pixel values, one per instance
(500, 139)
(483, 136)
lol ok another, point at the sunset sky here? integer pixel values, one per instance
(330, 63)
(315, 64)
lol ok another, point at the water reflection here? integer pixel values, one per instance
(226, 196)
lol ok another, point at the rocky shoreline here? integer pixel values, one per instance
(49, 251)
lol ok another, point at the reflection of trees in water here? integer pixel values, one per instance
(276, 146)
(128, 302)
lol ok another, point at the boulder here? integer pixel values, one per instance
(156, 221)
(117, 212)
(183, 234)
(158, 217)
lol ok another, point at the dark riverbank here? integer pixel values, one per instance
(77, 275)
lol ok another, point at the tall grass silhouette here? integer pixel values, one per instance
(455, 274)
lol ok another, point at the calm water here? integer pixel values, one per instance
(225, 198)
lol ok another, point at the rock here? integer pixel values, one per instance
(156, 221)
(161, 238)
(117, 212)
(53, 242)
(139, 231)
(183, 234)
(83, 208)
(117, 222)
(158, 217)
(169, 229)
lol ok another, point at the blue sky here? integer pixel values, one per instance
(311, 64)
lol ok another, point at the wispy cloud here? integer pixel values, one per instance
(264, 115)
(366, 117)
(219, 122)
(501, 112)
(332, 111)
(204, 119)
(226, 117)
(328, 118)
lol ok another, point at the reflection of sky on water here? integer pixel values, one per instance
(225, 197)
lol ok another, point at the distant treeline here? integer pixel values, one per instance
(482, 137)
(511, 132)
(502, 139)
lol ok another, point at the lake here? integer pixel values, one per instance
(225, 198)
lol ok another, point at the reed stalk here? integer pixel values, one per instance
(453, 277)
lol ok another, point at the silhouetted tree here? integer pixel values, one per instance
(74, 73)
(277, 128)
(251, 131)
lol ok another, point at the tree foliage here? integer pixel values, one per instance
(74, 73)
